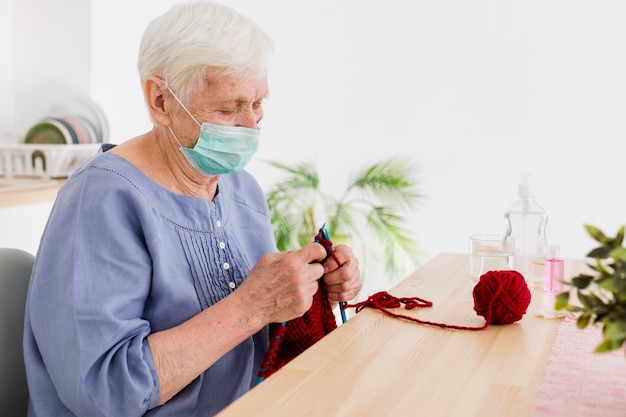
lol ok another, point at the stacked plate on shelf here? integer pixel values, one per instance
(77, 121)
(70, 133)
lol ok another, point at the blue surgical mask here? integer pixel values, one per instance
(219, 149)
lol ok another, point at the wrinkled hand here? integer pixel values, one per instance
(343, 281)
(280, 287)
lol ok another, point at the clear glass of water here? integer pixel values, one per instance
(489, 253)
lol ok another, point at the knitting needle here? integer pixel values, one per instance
(331, 252)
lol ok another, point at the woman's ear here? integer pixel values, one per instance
(154, 89)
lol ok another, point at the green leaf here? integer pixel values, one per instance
(607, 346)
(342, 219)
(587, 300)
(596, 234)
(389, 182)
(583, 320)
(619, 238)
(601, 267)
(581, 281)
(561, 300)
(574, 309)
(601, 252)
(612, 284)
(615, 331)
(618, 254)
(396, 245)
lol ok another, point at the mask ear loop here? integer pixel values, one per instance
(175, 138)
(184, 108)
(180, 102)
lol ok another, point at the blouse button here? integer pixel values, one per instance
(225, 265)
(231, 285)
(222, 245)
(218, 223)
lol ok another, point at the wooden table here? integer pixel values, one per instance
(375, 365)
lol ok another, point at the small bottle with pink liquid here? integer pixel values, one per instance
(554, 271)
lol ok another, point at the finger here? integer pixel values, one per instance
(342, 256)
(349, 271)
(343, 296)
(344, 283)
(343, 280)
(307, 262)
(313, 253)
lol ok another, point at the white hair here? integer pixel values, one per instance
(181, 44)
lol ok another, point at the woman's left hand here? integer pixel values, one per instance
(343, 281)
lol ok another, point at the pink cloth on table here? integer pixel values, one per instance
(578, 382)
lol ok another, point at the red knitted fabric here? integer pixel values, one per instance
(303, 332)
(288, 340)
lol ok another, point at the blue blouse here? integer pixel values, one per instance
(120, 258)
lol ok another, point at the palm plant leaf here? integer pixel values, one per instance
(287, 229)
(291, 203)
(342, 219)
(395, 244)
(368, 210)
(303, 175)
(390, 182)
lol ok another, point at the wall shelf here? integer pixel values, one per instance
(27, 191)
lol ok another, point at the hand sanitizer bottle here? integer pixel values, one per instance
(526, 221)
(554, 272)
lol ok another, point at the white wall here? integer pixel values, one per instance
(21, 226)
(6, 68)
(45, 60)
(476, 91)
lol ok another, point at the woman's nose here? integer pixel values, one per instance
(248, 118)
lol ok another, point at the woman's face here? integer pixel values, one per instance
(226, 100)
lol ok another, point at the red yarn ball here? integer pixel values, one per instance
(501, 297)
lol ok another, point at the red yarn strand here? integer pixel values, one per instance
(328, 245)
(382, 301)
(501, 297)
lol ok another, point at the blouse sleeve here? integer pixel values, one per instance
(89, 288)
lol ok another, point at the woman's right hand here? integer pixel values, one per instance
(280, 287)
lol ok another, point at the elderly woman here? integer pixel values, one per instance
(157, 274)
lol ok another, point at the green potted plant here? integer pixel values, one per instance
(369, 209)
(599, 297)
